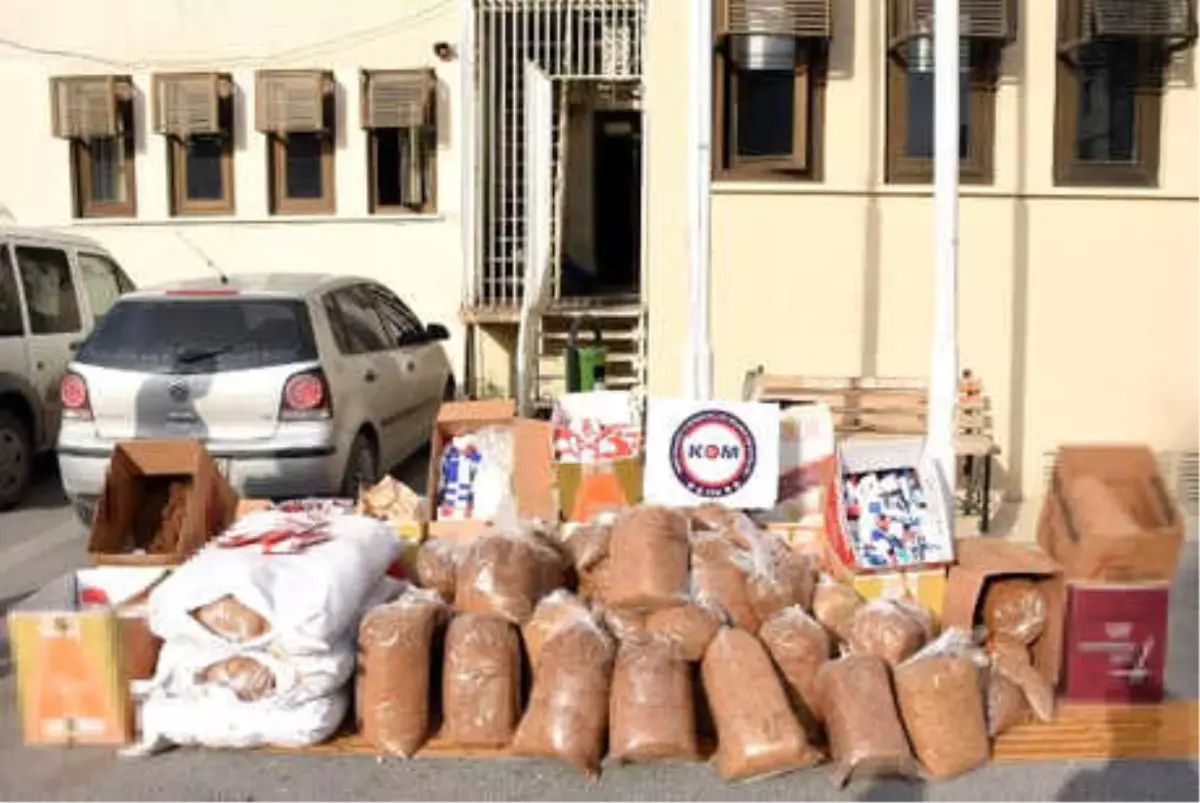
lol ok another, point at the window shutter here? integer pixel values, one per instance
(84, 107)
(189, 104)
(978, 19)
(1141, 19)
(397, 98)
(291, 100)
(803, 19)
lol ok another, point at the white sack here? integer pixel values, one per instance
(310, 599)
(299, 679)
(221, 720)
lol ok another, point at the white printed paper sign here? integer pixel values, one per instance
(722, 452)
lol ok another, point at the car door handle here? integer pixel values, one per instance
(410, 366)
(370, 375)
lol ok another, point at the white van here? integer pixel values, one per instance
(54, 286)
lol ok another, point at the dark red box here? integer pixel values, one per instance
(1115, 642)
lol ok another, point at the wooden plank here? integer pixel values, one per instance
(1106, 732)
(1078, 732)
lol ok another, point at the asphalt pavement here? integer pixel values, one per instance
(41, 540)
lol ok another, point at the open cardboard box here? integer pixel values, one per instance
(77, 643)
(984, 560)
(861, 455)
(1107, 516)
(136, 495)
(533, 461)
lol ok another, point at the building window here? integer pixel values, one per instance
(49, 291)
(295, 109)
(103, 282)
(95, 114)
(12, 322)
(769, 86)
(1111, 59)
(195, 113)
(400, 116)
(985, 27)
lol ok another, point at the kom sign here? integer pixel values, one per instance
(723, 452)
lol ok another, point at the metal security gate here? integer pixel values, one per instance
(569, 40)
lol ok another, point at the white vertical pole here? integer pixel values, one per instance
(943, 369)
(698, 367)
(470, 156)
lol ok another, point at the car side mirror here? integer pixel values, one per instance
(435, 331)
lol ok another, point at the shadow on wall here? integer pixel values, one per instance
(841, 53)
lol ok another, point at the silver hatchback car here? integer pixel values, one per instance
(298, 384)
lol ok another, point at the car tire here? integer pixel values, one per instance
(362, 467)
(85, 513)
(16, 459)
(450, 391)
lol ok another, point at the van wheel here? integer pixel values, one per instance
(85, 512)
(16, 459)
(362, 469)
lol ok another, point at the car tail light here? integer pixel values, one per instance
(73, 392)
(305, 397)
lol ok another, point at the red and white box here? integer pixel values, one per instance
(1115, 644)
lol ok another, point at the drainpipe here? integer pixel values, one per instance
(943, 368)
(698, 366)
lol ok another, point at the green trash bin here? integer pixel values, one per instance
(585, 363)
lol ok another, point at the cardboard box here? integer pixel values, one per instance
(983, 560)
(77, 643)
(533, 461)
(1116, 642)
(247, 506)
(857, 456)
(1107, 516)
(926, 586)
(807, 463)
(137, 493)
(599, 462)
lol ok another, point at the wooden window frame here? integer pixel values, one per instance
(1069, 169)
(81, 172)
(281, 204)
(277, 148)
(429, 150)
(181, 205)
(808, 140)
(978, 166)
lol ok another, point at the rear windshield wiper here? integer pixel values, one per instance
(187, 356)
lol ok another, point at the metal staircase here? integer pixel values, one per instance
(622, 328)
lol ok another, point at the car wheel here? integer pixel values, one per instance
(450, 391)
(85, 512)
(16, 459)
(362, 469)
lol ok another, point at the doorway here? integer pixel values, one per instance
(617, 200)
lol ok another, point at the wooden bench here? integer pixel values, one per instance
(876, 406)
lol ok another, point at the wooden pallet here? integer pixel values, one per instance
(1106, 732)
(864, 406)
(1078, 732)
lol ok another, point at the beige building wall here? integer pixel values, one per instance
(1077, 308)
(419, 256)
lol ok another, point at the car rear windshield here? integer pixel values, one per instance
(201, 336)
